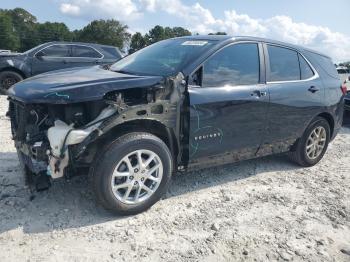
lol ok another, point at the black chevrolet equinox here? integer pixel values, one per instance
(180, 104)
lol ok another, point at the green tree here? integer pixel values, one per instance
(137, 42)
(8, 37)
(108, 32)
(159, 33)
(53, 32)
(25, 25)
(180, 31)
(218, 33)
(156, 34)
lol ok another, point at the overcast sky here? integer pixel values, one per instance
(323, 25)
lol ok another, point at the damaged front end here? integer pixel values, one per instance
(44, 133)
(62, 137)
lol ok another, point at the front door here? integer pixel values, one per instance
(228, 105)
(53, 57)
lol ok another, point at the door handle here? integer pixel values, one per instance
(258, 93)
(313, 89)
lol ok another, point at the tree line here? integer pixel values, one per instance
(21, 31)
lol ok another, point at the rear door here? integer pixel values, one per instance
(83, 55)
(296, 95)
(228, 105)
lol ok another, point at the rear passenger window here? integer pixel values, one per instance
(85, 51)
(234, 65)
(305, 70)
(284, 64)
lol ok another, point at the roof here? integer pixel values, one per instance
(222, 38)
(79, 43)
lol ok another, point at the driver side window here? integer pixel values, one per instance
(234, 65)
(56, 51)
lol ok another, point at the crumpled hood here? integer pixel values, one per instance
(76, 85)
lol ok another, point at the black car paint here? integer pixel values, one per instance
(235, 124)
(83, 84)
(28, 64)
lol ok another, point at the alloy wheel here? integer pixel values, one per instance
(316, 142)
(137, 176)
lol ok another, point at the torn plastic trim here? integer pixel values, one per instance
(62, 135)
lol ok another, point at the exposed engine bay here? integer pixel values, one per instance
(55, 140)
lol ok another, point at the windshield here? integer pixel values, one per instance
(164, 58)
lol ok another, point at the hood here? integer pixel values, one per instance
(76, 85)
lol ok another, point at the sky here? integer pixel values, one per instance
(322, 25)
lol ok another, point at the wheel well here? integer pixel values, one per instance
(150, 126)
(330, 121)
(13, 69)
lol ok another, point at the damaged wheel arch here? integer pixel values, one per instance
(151, 126)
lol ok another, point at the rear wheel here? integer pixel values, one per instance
(312, 146)
(8, 79)
(132, 173)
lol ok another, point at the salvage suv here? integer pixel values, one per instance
(180, 104)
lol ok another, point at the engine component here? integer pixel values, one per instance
(62, 135)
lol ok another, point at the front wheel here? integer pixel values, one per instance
(8, 79)
(132, 173)
(312, 146)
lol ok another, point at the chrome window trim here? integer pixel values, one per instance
(72, 44)
(314, 77)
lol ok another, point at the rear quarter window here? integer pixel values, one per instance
(323, 62)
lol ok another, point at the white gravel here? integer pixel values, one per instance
(258, 210)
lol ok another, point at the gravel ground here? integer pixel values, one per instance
(258, 210)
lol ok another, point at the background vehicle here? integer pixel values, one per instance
(183, 103)
(2, 51)
(344, 73)
(15, 67)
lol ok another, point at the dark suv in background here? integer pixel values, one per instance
(15, 67)
(180, 104)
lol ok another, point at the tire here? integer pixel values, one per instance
(115, 157)
(300, 155)
(9, 78)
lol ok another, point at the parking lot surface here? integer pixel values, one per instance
(257, 210)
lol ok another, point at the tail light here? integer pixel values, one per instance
(344, 89)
